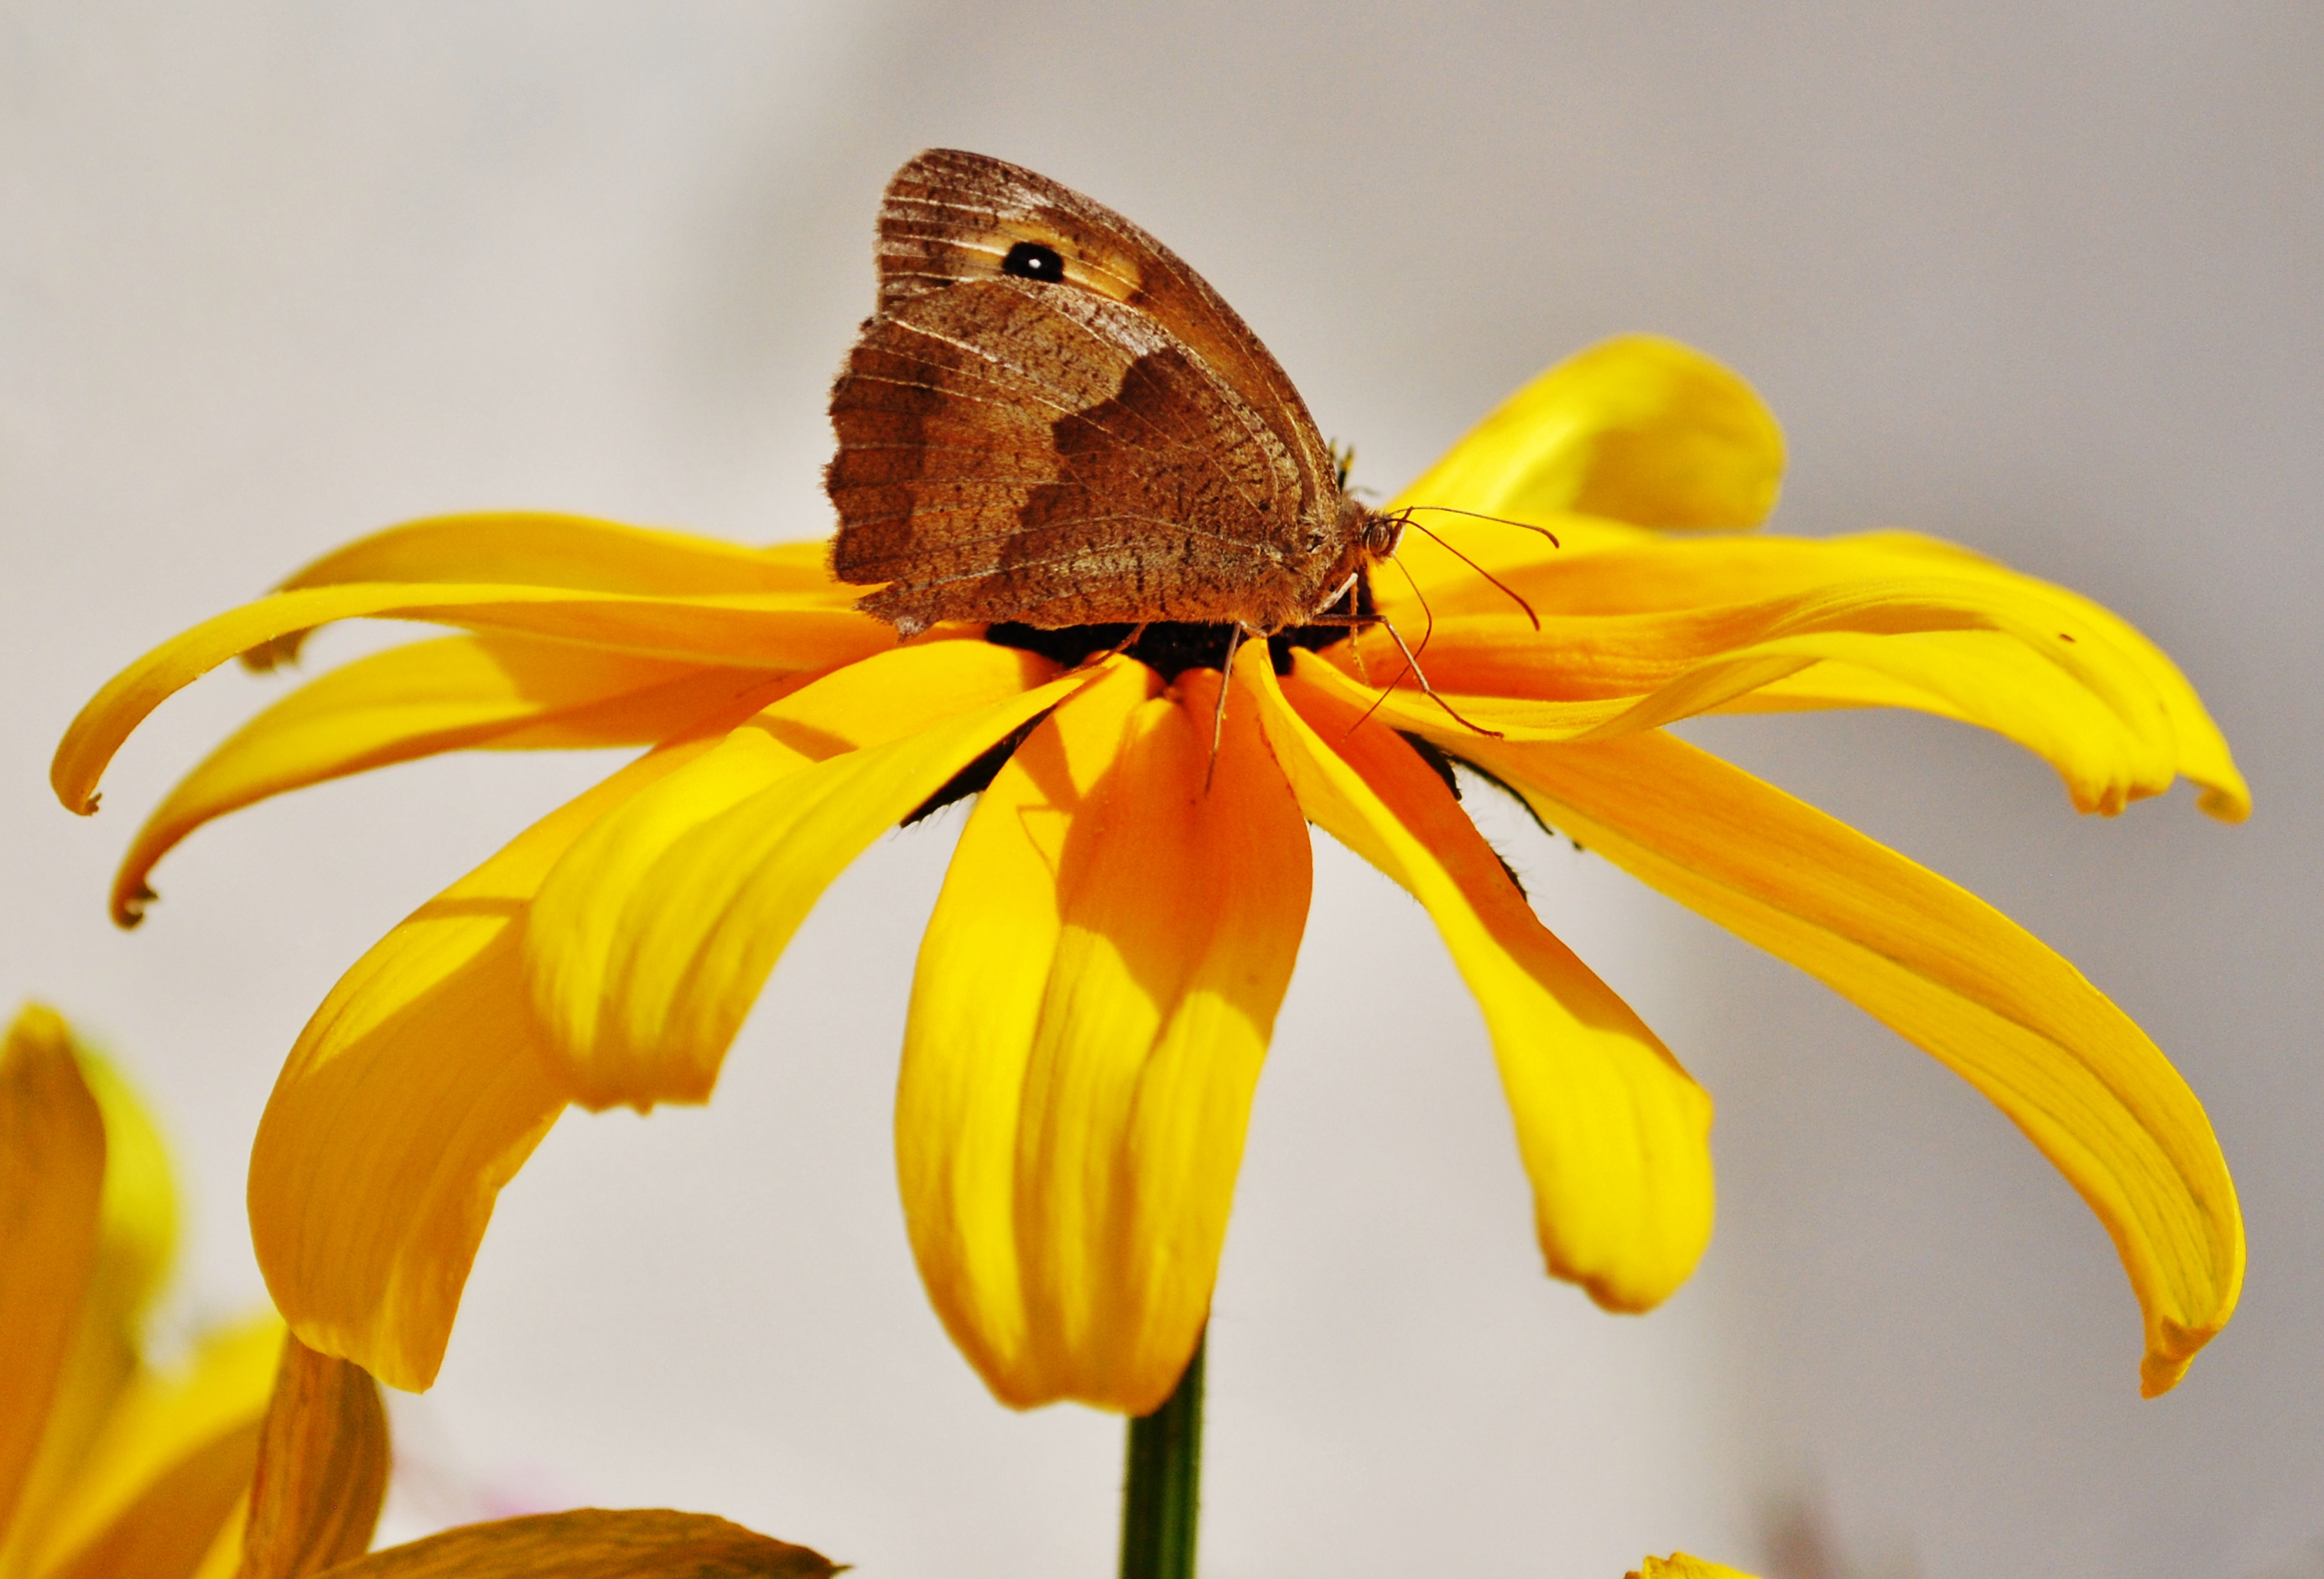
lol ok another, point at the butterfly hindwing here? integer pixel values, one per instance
(1015, 453)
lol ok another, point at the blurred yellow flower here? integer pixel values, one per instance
(1099, 982)
(261, 1458)
(106, 1466)
(1679, 1565)
(322, 1471)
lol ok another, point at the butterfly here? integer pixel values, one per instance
(1051, 420)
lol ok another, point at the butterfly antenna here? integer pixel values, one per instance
(1515, 596)
(1428, 630)
(1406, 511)
(1219, 717)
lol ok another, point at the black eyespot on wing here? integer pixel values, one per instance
(1029, 260)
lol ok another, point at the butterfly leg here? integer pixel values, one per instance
(1412, 666)
(1219, 717)
(1353, 622)
(1117, 649)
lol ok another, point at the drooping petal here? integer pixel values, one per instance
(51, 1179)
(746, 631)
(170, 1465)
(460, 693)
(543, 549)
(415, 1092)
(2096, 722)
(594, 1543)
(2011, 632)
(1679, 1565)
(1091, 1005)
(321, 1470)
(1614, 1135)
(1944, 969)
(651, 939)
(2106, 758)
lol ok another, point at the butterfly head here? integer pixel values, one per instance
(1365, 537)
(1380, 531)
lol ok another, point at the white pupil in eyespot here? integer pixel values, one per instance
(1029, 260)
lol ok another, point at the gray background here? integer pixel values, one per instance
(2043, 280)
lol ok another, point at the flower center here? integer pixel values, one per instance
(1165, 646)
(1170, 648)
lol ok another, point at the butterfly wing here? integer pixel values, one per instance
(1110, 446)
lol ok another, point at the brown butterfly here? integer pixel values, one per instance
(1053, 420)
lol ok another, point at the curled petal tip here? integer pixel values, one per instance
(2225, 805)
(1608, 1297)
(2166, 1362)
(2158, 1374)
(129, 908)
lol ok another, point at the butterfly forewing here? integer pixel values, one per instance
(950, 215)
(1106, 443)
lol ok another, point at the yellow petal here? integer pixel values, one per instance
(594, 1543)
(1614, 1135)
(51, 1180)
(747, 630)
(2106, 758)
(224, 1560)
(1091, 1005)
(1590, 678)
(174, 1458)
(464, 692)
(1679, 1565)
(1553, 480)
(1946, 971)
(169, 1532)
(2010, 633)
(542, 548)
(137, 1234)
(545, 549)
(651, 939)
(1634, 430)
(321, 1470)
(415, 1092)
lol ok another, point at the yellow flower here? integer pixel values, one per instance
(1099, 981)
(322, 1473)
(106, 1466)
(261, 1459)
(1679, 1565)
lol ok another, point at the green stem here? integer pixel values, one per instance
(1162, 1497)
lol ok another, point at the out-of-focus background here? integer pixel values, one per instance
(2045, 280)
